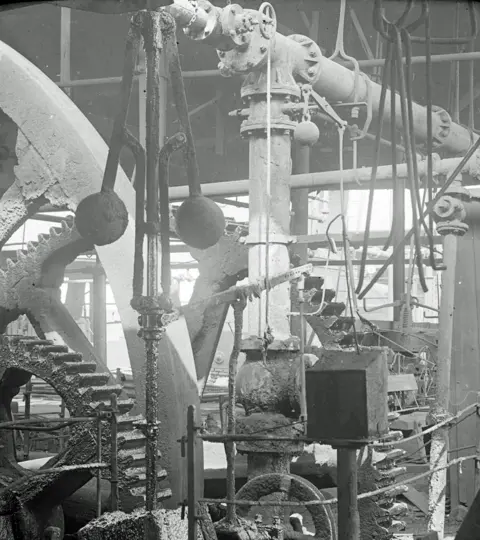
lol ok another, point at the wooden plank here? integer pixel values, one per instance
(410, 422)
(417, 498)
(405, 382)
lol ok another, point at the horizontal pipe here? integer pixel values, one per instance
(330, 180)
(208, 73)
(358, 262)
(337, 84)
(198, 74)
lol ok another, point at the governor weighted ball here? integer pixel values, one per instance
(200, 222)
(306, 133)
(101, 218)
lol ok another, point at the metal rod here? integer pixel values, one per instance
(114, 454)
(26, 442)
(153, 47)
(99, 474)
(191, 468)
(20, 424)
(199, 74)
(252, 438)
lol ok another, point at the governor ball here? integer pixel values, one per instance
(200, 222)
(306, 133)
(101, 218)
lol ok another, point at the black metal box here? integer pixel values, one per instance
(347, 396)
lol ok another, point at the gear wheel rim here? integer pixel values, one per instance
(15, 353)
(299, 488)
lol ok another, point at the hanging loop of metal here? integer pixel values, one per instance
(339, 52)
(383, 26)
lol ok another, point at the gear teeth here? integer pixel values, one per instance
(391, 473)
(100, 393)
(31, 343)
(124, 405)
(48, 349)
(397, 509)
(30, 262)
(397, 526)
(89, 393)
(391, 457)
(74, 368)
(396, 491)
(162, 494)
(139, 475)
(89, 379)
(131, 439)
(133, 458)
(67, 225)
(59, 358)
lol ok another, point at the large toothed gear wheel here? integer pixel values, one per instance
(61, 162)
(84, 391)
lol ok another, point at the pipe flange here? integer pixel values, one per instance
(449, 213)
(282, 83)
(242, 26)
(281, 123)
(238, 24)
(443, 128)
(311, 68)
(455, 226)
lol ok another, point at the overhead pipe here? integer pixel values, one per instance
(231, 29)
(352, 179)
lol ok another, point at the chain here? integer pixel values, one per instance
(194, 4)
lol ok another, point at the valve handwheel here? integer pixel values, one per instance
(293, 488)
(268, 20)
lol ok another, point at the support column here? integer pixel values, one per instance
(263, 381)
(449, 213)
(99, 311)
